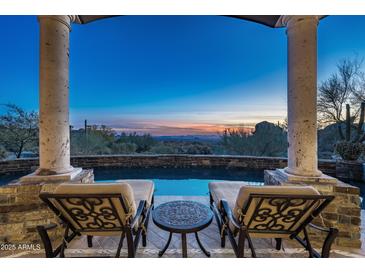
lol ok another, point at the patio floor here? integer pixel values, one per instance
(106, 246)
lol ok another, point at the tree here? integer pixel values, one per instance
(284, 124)
(96, 140)
(18, 129)
(267, 140)
(359, 94)
(143, 142)
(342, 87)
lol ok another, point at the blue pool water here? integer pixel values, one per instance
(172, 181)
(7, 178)
(181, 181)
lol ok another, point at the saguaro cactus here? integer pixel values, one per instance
(359, 130)
(350, 147)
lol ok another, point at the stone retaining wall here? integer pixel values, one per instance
(28, 165)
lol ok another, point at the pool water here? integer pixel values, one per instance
(7, 178)
(181, 181)
(172, 181)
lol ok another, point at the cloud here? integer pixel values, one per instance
(182, 123)
(168, 128)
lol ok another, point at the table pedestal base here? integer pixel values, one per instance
(184, 245)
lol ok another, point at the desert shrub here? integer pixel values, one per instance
(97, 140)
(123, 148)
(143, 142)
(3, 153)
(162, 148)
(349, 151)
(267, 140)
(196, 148)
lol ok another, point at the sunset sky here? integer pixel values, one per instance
(170, 75)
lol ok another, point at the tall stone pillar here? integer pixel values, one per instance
(344, 212)
(302, 102)
(54, 130)
(302, 95)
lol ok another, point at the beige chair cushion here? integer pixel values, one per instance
(241, 202)
(102, 206)
(142, 190)
(226, 190)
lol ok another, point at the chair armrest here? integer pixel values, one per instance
(229, 214)
(330, 238)
(324, 229)
(49, 226)
(140, 211)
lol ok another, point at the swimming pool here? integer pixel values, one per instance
(181, 181)
(172, 181)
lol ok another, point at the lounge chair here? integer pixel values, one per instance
(244, 212)
(100, 209)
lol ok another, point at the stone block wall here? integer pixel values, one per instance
(19, 165)
(344, 212)
(21, 211)
(145, 161)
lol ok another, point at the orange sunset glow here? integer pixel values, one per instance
(175, 129)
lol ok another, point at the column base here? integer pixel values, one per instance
(64, 177)
(280, 175)
(289, 171)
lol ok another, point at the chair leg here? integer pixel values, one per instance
(241, 244)
(250, 244)
(130, 243)
(232, 241)
(219, 222)
(278, 243)
(64, 243)
(62, 252)
(144, 239)
(120, 245)
(89, 241)
(223, 240)
(308, 244)
(144, 232)
(328, 242)
(211, 201)
(46, 241)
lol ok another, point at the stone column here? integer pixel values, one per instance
(344, 212)
(302, 95)
(54, 130)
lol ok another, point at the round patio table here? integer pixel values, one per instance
(182, 217)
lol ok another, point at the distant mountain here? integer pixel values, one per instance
(189, 138)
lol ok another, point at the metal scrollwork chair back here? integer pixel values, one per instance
(280, 213)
